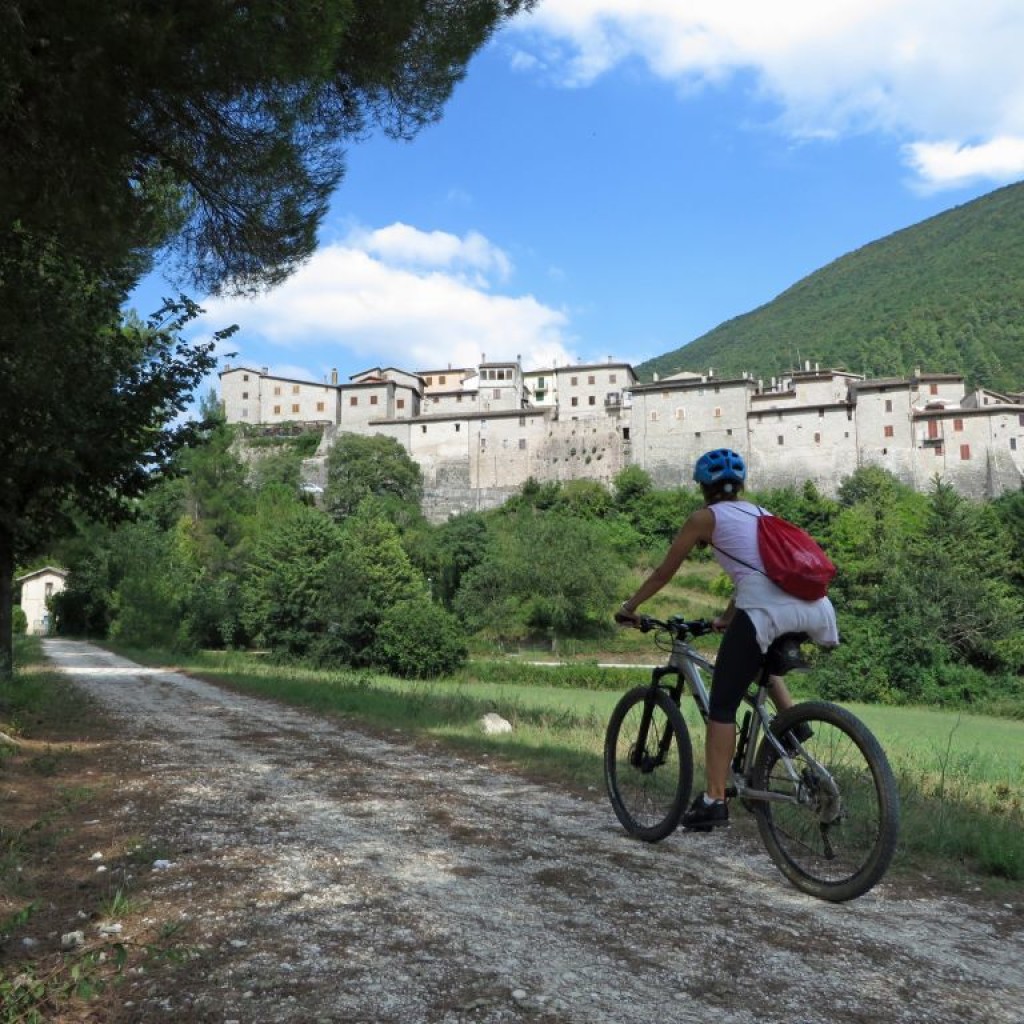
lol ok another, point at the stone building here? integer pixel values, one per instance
(253, 396)
(479, 433)
(675, 419)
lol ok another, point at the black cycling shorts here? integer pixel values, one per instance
(739, 661)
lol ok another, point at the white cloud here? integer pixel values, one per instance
(398, 296)
(949, 164)
(400, 245)
(931, 72)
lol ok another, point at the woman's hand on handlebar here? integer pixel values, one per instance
(625, 617)
(720, 623)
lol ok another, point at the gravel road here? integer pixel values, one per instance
(337, 876)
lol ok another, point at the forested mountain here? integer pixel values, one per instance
(945, 295)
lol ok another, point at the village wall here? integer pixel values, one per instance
(578, 448)
(675, 420)
(478, 445)
(977, 451)
(787, 445)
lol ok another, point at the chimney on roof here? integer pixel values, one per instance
(265, 371)
(711, 372)
(334, 376)
(227, 367)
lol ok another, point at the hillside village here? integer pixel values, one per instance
(478, 433)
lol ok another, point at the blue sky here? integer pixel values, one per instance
(617, 177)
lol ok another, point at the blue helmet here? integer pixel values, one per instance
(722, 465)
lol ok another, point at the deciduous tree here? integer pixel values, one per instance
(88, 404)
(206, 129)
(361, 467)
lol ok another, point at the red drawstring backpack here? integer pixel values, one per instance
(792, 558)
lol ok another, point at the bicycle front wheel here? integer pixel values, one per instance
(836, 834)
(648, 763)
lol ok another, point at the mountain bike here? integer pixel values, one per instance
(826, 806)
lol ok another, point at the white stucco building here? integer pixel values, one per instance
(36, 590)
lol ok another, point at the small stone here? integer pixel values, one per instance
(493, 724)
(96, 856)
(72, 940)
(162, 865)
(518, 994)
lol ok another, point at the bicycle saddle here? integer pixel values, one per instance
(784, 655)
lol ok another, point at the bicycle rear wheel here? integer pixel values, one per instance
(835, 840)
(648, 763)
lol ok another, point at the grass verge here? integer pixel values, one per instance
(58, 961)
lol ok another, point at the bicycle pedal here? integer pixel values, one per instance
(730, 792)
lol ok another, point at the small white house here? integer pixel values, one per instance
(36, 590)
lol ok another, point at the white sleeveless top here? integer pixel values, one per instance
(772, 611)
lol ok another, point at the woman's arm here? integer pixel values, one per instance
(698, 528)
(721, 622)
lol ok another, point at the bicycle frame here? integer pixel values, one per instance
(687, 665)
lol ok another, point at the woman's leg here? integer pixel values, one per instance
(719, 744)
(779, 693)
(739, 660)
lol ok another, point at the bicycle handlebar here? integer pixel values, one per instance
(677, 626)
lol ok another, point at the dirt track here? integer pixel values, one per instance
(333, 876)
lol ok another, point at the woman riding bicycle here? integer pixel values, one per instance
(758, 613)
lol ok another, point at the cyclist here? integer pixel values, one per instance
(758, 613)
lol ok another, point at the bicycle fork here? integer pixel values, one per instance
(640, 757)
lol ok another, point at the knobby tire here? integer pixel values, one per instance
(831, 847)
(648, 791)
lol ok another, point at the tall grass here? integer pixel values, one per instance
(962, 784)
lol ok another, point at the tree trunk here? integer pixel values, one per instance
(6, 606)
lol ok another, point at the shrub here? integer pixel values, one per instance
(859, 669)
(19, 623)
(417, 639)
